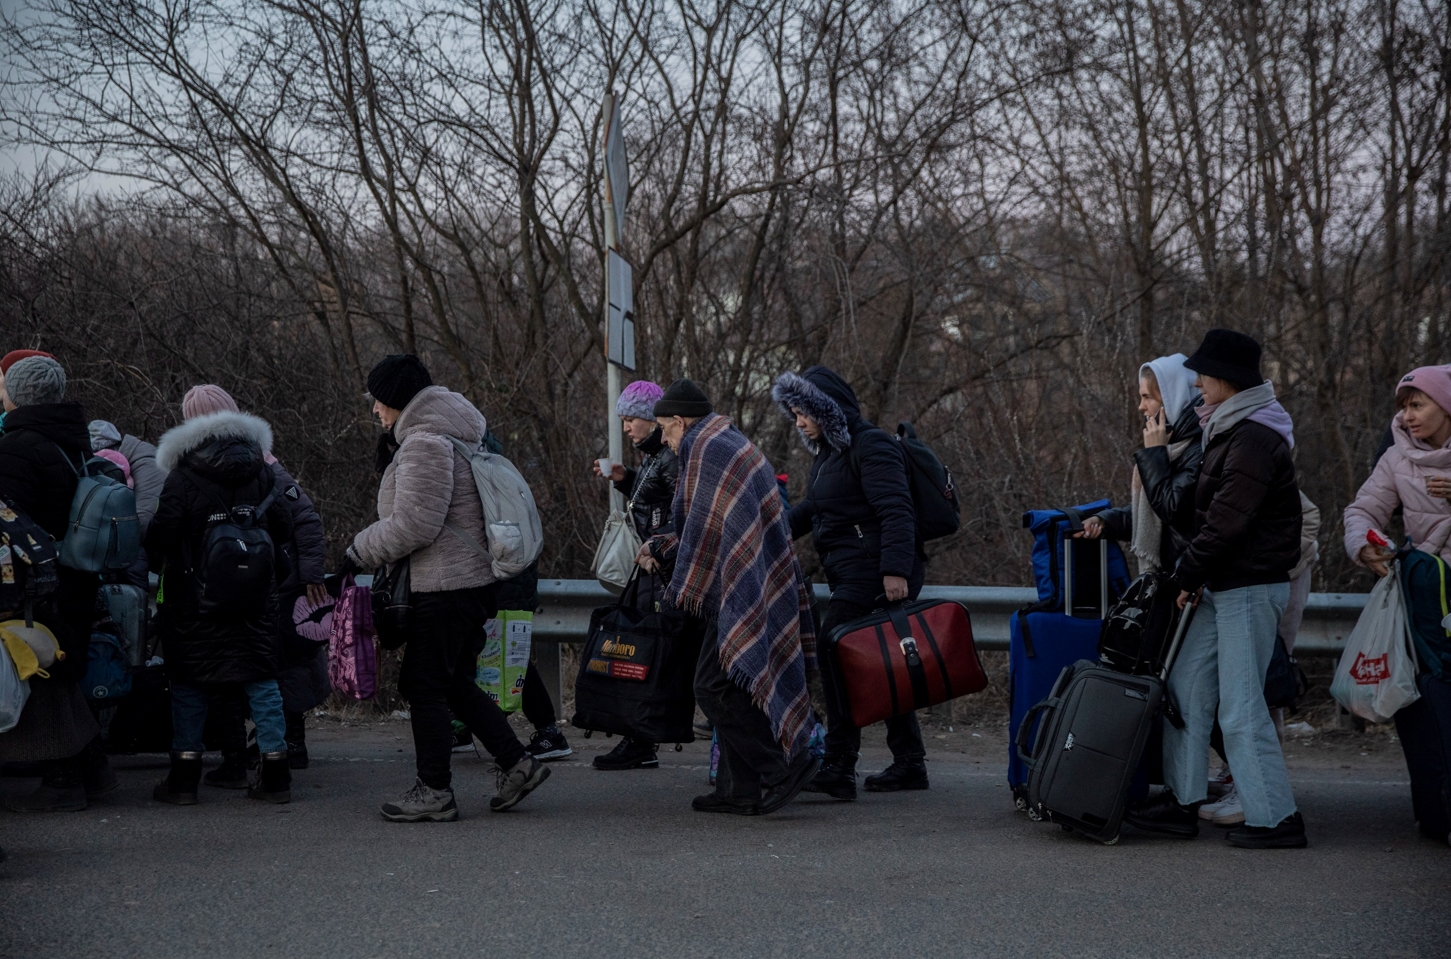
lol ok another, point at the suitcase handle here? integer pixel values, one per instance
(1025, 729)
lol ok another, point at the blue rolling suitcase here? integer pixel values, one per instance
(1040, 647)
(1081, 577)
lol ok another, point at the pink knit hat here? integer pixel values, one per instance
(207, 398)
(1434, 381)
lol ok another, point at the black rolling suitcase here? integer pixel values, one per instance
(1090, 739)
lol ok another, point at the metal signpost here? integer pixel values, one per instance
(619, 279)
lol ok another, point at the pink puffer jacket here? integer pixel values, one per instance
(1399, 479)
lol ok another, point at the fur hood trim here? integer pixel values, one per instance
(181, 440)
(793, 390)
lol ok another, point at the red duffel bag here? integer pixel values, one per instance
(909, 657)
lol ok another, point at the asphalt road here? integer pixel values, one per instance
(616, 864)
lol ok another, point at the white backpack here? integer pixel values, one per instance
(511, 520)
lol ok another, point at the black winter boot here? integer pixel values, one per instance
(231, 774)
(1165, 816)
(297, 740)
(274, 781)
(97, 776)
(902, 774)
(180, 785)
(62, 789)
(836, 778)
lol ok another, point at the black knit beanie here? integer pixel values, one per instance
(683, 398)
(397, 379)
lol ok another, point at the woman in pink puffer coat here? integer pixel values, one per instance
(1414, 474)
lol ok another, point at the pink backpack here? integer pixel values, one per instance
(352, 658)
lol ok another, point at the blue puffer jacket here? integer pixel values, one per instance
(858, 505)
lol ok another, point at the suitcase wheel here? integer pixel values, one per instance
(1021, 803)
(1034, 815)
(1111, 842)
(679, 748)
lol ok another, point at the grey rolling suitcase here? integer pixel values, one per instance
(1089, 741)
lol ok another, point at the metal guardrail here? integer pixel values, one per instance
(565, 606)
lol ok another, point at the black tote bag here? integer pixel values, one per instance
(637, 671)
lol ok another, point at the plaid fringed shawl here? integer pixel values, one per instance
(736, 563)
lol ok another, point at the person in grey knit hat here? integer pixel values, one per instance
(33, 381)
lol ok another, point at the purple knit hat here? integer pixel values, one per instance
(638, 400)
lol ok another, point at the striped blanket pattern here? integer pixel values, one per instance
(736, 563)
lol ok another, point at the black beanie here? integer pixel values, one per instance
(683, 398)
(397, 379)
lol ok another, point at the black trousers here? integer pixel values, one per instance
(843, 740)
(537, 705)
(440, 663)
(1424, 729)
(749, 752)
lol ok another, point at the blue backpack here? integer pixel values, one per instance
(103, 532)
(1050, 527)
(108, 673)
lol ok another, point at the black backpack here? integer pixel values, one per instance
(28, 564)
(1138, 627)
(236, 569)
(934, 492)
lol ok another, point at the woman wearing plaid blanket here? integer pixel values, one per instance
(731, 563)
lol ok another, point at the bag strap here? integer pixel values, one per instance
(85, 469)
(640, 482)
(468, 540)
(916, 672)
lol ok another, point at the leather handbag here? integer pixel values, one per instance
(904, 658)
(614, 562)
(393, 604)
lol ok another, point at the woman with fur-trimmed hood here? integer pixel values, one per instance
(858, 508)
(218, 473)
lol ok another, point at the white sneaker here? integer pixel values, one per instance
(1211, 809)
(1231, 811)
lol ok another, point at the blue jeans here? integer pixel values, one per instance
(189, 715)
(1222, 667)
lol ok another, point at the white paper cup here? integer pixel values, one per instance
(606, 465)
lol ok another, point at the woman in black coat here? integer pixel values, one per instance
(858, 508)
(44, 446)
(649, 491)
(218, 474)
(1159, 520)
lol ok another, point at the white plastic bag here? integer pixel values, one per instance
(1377, 672)
(14, 691)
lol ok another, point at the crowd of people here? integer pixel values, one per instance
(1214, 500)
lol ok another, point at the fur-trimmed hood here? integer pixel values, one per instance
(229, 446)
(825, 397)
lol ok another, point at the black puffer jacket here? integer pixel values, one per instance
(651, 488)
(858, 505)
(36, 479)
(1246, 512)
(216, 465)
(1169, 487)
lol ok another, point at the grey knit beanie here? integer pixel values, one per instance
(35, 380)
